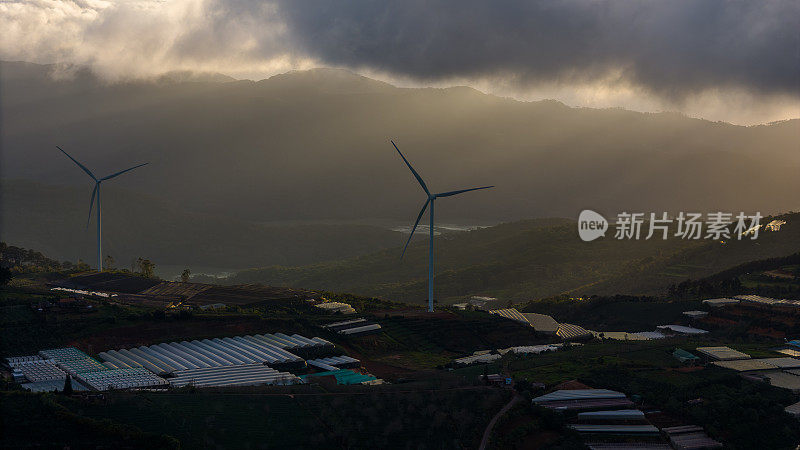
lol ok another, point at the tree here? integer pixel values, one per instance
(68, 386)
(108, 262)
(5, 276)
(146, 267)
(185, 275)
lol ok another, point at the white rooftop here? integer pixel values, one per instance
(793, 409)
(722, 353)
(614, 414)
(720, 301)
(682, 329)
(578, 394)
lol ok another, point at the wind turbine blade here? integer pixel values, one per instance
(121, 172)
(421, 212)
(448, 194)
(419, 178)
(91, 204)
(89, 172)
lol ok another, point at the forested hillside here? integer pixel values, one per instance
(532, 259)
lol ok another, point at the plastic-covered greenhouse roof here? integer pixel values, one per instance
(578, 394)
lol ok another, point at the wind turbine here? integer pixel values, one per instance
(429, 201)
(96, 192)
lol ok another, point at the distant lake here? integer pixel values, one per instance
(172, 272)
(438, 229)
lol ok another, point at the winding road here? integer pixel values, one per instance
(488, 432)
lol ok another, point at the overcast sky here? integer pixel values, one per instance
(737, 61)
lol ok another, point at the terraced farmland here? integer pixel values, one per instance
(458, 333)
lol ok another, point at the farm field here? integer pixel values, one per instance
(435, 419)
(443, 406)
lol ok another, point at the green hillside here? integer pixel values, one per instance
(530, 259)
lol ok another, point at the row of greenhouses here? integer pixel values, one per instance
(218, 352)
(243, 375)
(333, 362)
(259, 359)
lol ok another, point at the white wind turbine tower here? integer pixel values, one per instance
(431, 198)
(96, 193)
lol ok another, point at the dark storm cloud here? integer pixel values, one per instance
(670, 47)
(742, 58)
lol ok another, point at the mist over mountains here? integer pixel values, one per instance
(315, 145)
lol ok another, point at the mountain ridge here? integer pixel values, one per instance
(264, 152)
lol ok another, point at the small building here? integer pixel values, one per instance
(681, 329)
(744, 365)
(583, 399)
(768, 301)
(478, 359)
(789, 351)
(793, 410)
(341, 377)
(627, 446)
(213, 306)
(510, 313)
(570, 332)
(336, 307)
(618, 429)
(684, 356)
(542, 323)
(650, 335)
(689, 437)
(52, 386)
(619, 336)
(695, 314)
(784, 379)
(494, 379)
(528, 349)
(354, 327)
(336, 326)
(722, 353)
(482, 302)
(612, 429)
(362, 330)
(719, 302)
(783, 363)
(617, 415)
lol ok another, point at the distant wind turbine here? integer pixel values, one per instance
(96, 193)
(430, 200)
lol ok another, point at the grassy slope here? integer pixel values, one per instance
(530, 259)
(384, 419)
(31, 420)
